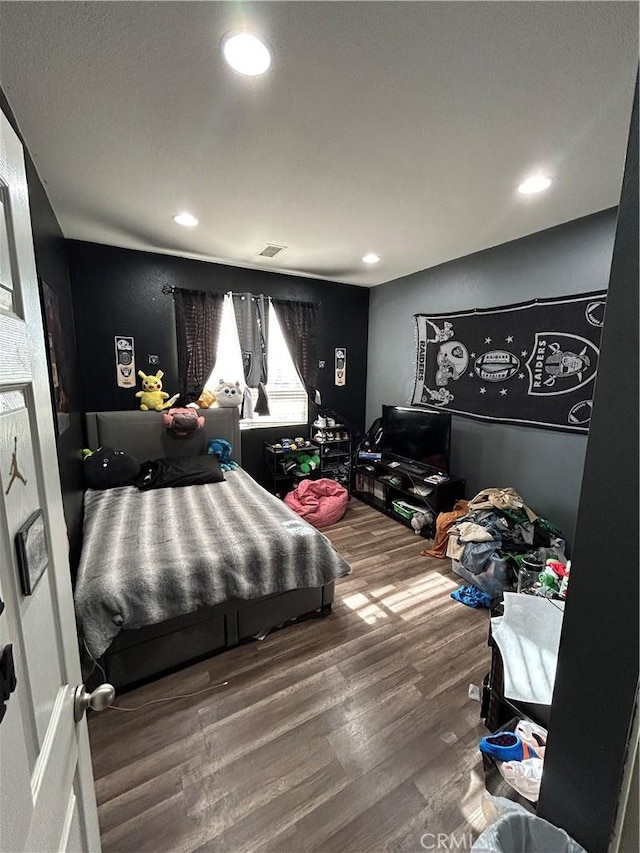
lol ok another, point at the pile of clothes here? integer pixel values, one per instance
(496, 534)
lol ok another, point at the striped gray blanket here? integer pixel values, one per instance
(151, 556)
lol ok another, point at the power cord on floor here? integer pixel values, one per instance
(153, 701)
(93, 660)
(169, 698)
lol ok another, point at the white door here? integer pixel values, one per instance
(47, 799)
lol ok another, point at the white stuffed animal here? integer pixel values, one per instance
(227, 394)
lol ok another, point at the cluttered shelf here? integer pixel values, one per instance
(335, 454)
(291, 446)
(326, 454)
(334, 441)
(411, 495)
(328, 429)
(288, 461)
(411, 492)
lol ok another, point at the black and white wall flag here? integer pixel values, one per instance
(533, 363)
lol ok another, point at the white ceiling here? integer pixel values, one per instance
(399, 128)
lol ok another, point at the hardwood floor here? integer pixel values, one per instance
(349, 733)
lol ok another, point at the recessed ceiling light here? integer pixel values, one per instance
(246, 54)
(186, 219)
(371, 258)
(535, 184)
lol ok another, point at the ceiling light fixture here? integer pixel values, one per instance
(371, 258)
(246, 54)
(186, 219)
(535, 184)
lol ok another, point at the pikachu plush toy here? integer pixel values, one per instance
(152, 397)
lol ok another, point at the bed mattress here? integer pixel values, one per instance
(152, 556)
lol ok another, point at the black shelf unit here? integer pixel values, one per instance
(280, 482)
(379, 484)
(334, 453)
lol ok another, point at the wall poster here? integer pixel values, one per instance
(533, 363)
(341, 366)
(125, 362)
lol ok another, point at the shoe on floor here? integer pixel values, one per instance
(506, 746)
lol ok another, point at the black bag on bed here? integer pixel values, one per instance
(107, 468)
(174, 471)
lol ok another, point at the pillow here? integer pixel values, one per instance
(173, 471)
(107, 468)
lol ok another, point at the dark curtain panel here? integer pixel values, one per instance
(299, 323)
(252, 319)
(198, 319)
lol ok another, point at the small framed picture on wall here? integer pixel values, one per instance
(56, 355)
(32, 552)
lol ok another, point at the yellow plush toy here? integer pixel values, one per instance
(152, 397)
(206, 399)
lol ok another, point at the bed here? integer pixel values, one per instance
(171, 575)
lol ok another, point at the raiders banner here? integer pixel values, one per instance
(532, 363)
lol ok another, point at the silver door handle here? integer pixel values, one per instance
(99, 699)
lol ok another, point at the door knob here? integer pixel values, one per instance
(99, 699)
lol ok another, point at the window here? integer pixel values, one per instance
(228, 364)
(286, 393)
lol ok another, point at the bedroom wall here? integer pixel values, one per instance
(543, 465)
(52, 266)
(119, 292)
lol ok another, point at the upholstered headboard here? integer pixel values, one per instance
(142, 435)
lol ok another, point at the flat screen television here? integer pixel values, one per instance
(416, 437)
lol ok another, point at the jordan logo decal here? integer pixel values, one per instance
(14, 471)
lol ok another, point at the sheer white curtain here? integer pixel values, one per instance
(287, 396)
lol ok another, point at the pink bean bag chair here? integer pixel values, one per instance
(320, 502)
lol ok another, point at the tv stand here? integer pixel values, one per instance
(389, 487)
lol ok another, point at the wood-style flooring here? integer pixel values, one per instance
(350, 733)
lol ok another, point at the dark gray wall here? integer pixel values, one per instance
(597, 675)
(52, 266)
(542, 465)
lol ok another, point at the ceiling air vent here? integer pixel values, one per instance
(270, 251)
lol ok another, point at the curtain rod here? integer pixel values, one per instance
(170, 288)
